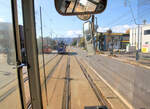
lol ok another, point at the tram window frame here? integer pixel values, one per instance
(14, 9)
(31, 50)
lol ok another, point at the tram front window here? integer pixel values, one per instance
(111, 48)
(9, 91)
(102, 62)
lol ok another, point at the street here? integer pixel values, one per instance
(131, 81)
(70, 82)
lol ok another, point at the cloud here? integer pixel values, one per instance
(120, 28)
(102, 29)
(2, 20)
(117, 28)
(73, 33)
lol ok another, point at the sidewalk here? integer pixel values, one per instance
(129, 58)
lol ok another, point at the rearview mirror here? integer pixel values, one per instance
(80, 7)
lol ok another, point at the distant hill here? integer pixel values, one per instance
(66, 40)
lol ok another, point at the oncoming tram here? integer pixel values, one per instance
(61, 48)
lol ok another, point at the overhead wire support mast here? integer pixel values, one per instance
(93, 30)
(137, 52)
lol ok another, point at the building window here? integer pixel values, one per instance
(146, 42)
(147, 32)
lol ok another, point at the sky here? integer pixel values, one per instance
(119, 16)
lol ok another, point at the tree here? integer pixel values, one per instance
(74, 42)
(128, 31)
(109, 31)
(82, 42)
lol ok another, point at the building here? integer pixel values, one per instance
(124, 41)
(6, 36)
(136, 38)
(115, 40)
(140, 38)
(146, 39)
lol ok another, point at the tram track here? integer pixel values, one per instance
(26, 78)
(11, 90)
(67, 93)
(94, 87)
(49, 61)
(53, 69)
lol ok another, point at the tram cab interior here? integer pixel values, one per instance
(33, 75)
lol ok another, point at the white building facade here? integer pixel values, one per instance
(136, 37)
(146, 39)
(140, 38)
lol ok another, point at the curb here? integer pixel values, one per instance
(128, 61)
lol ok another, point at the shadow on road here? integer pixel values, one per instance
(69, 53)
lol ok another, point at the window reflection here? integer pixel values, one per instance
(9, 91)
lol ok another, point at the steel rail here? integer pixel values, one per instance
(94, 87)
(49, 61)
(66, 92)
(11, 90)
(53, 69)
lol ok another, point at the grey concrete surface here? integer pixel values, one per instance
(131, 81)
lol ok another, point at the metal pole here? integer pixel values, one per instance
(93, 30)
(43, 52)
(137, 52)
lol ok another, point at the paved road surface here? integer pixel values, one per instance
(132, 82)
(70, 82)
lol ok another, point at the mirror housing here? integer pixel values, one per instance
(80, 7)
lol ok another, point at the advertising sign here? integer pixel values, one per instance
(145, 49)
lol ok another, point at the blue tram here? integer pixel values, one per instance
(61, 48)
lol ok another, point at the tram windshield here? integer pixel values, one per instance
(51, 59)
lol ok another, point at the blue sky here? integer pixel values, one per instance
(116, 16)
(71, 26)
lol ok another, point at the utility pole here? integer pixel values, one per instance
(125, 3)
(132, 13)
(93, 30)
(137, 52)
(43, 52)
(144, 22)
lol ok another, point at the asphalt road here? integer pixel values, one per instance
(131, 81)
